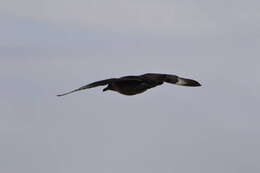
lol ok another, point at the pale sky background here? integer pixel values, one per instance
(51, 46)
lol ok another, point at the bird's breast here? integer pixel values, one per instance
(130, 89)
(131, 92)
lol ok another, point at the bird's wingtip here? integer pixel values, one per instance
(59, 95)
(188, 82)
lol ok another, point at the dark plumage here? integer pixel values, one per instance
(132, 85)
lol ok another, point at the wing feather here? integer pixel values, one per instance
(169, 78)
(91, 85)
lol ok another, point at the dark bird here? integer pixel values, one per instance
(132, 85)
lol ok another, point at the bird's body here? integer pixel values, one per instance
(132, 85)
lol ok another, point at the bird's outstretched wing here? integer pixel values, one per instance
(91, 85)
(171, 79)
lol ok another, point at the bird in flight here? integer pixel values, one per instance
(132, 85)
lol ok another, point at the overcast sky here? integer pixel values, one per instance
(53, 46)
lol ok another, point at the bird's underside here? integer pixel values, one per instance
(132, 85)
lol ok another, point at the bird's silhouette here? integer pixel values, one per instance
(132, 85)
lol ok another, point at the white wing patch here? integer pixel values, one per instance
(181, 81)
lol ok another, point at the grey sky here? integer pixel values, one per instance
(49, 47)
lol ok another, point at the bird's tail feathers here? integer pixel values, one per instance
(187, 82)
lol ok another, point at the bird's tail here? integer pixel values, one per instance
(187, 82)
